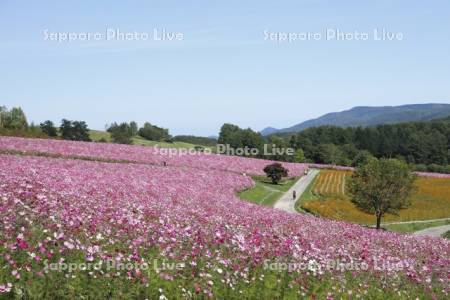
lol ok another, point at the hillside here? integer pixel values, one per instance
(369, 116)
(107, 228)
(97, 135)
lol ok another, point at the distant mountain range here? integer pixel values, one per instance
(369, 116)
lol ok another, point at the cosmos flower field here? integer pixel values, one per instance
(142, 154)
(109, 221)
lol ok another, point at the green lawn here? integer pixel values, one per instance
(306, 196)
(96, 135)
(266, 193)
(411, 227)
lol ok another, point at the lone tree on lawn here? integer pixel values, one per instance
(381, 186)
(275, 172)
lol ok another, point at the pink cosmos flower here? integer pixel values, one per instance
(5, 288)
(22, 244)
(69, 245)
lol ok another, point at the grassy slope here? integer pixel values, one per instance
(266, 193)
(306, 196)
(137, 140)
(431, 201)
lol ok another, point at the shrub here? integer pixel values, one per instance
(275, 172)
(153, 133)
(49, 128)
(74, 130)
(121, 134)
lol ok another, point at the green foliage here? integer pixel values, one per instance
(279, 143)
(3, 114)
(14, 123)
(299, 156)
(446, 235)
(330, 154)
(12, 119)
(133, 128)
(49, 128)
(251, 139)
(424, 143)
(28, 133)
(197, 140)
(230, 134)
(263, 283)
(381, 186)
(275, 172)
(105, 136)
(438, 168)
(122, 133)
(169, 140)
(74, 130)
(362, 157)
(272, 147)
(237, 137)
(153, 133)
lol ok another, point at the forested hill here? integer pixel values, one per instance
(369, 116)
(419, 143)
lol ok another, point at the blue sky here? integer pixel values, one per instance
(223, 70)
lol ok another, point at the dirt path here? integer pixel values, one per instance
(417, 221)
(433, 231)
(286, 202)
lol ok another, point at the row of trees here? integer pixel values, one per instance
(424, 144)
(417, 142)
(123, 133)
(305, 149)
(12, 119)
(196, 140)
(14, 122)
(68, 130)
(236, 138)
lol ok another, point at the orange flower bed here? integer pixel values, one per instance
(330, 182)
(430, 201)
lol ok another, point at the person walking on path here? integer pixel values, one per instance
(294, 195)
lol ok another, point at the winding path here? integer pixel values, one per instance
(417, 221)
(286, 202)
(433, 231)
